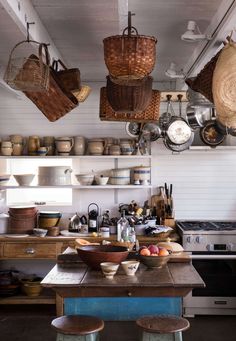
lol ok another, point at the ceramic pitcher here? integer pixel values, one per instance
(64, 145)
(79, 145)
(33, 144)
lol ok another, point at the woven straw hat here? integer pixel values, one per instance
(224, 84)
(82, 93)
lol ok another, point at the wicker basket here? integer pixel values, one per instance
(149, 115)
(130, 98)
(203, 81)
(82, 93)
(28, 73)
(130, 56)
(69, 78)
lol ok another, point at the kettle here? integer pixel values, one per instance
(75, 224)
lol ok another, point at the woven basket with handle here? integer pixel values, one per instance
(129, 98)
(149, 115)
(69, 78)
(130, 56)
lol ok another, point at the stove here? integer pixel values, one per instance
(208, 236)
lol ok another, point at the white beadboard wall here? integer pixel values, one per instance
(204, 182)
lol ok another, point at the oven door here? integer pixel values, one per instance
(218, 270)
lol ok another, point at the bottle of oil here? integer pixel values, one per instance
(122, 227)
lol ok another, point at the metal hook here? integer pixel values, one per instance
(27, 28)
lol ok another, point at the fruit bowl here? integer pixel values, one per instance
(154, 261)
(93, 255)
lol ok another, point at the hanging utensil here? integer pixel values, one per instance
(166, 116)
(133, 129)
(210, 134)
(153, 129)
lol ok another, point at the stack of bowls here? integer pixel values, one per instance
(49, 220)
(22, 219)
(120, 176)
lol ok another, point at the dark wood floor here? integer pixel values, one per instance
(32, 323)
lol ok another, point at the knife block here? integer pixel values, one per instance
(169, 222)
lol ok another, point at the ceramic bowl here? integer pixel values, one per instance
(101, 180)
(46, 222)
(24, 179)
(4, 178)
(94, 255)
(154, 261)
(40, 232)
(85, 179)
(31, 286)
(109, 269)
(130, 267)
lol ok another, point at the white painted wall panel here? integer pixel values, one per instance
(204, 182)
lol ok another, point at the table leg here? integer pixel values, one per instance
(59, 305)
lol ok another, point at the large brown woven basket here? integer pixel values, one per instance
(53, 103)
(129, 98)
(130, 56)
(69, 78)
(203, 81)
(149, 115)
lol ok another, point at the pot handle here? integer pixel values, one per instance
(68, 170)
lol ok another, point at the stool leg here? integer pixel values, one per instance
(178, 336)
(158, 337)
(90, 337)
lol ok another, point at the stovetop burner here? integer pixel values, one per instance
(208, 225)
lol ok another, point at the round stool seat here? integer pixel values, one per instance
(163, 324)
(77, 324)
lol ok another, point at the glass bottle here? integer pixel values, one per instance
(122, 225)
(132, 235)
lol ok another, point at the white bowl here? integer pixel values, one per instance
(40, 232)
(114, 180)
(101, 180)
(24, 179)
(4, 178)
(109, 269)
(130, 267)
(85, 179)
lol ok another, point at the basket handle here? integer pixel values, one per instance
(47, 56)
(55, 65)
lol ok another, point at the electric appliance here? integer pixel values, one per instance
(213, 247)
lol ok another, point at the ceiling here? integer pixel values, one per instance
(77, 29)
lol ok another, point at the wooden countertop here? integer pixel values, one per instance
(174, 279)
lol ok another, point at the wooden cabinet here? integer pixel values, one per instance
(31, 250)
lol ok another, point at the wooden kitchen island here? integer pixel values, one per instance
(81, 290)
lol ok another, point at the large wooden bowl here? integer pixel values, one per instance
(93, 255)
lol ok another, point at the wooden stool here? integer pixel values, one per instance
(77, 328)
(162, 328)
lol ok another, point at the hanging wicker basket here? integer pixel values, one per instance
(149, 115)
(130, 56)
(224, 85)
(28, 73)
(129, 98)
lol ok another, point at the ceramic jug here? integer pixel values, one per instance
(33, 144)
(49, 142)
(64, 145)
(6, 148)
(96, 146)
(79, 145)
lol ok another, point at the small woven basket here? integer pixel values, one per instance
(132, 97)
(149, 115)
(69, 78)
(28, 73)
(130, 56)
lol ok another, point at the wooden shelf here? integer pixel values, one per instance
(47, 297)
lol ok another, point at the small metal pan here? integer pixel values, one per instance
(210, 133)
(179, 147)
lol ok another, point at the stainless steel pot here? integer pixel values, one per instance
(210, 133)
(197, 115)
(179, 147)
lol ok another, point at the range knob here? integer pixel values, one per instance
(230, 247)
(199, 239)
(189, 239)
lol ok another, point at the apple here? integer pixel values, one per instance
(153, 249)
(163, 251)
(144, 252)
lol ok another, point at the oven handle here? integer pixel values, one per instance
(213, 257)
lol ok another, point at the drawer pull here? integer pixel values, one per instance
(30, 251)
(129, 293)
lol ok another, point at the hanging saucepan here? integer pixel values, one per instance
(178, 131)
(133, 129)
(197, 115)
(166, 116)
(210, 134)
(153, 129)
(179, 147)
(224, 129)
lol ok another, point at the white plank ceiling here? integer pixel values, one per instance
(77, 28)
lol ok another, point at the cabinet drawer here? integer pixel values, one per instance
(30, 250)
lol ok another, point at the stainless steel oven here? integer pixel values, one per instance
(213, 247)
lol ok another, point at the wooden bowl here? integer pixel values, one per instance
(154, 261)
(93, 255)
